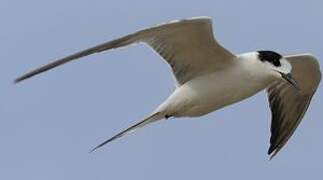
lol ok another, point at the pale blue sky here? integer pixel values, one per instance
(49, 123)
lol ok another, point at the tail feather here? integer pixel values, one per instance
(152, 118)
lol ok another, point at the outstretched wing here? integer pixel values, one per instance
(289, 105)
(188, 46)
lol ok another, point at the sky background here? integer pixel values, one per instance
(49, 123)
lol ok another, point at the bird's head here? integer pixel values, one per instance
(278, 66)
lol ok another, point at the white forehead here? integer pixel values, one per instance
(253, 58)
(285, 66)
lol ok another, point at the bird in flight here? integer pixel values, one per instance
(209, 77)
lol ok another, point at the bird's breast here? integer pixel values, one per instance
(210, 92)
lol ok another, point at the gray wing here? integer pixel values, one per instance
(289, 105)
(188, 46)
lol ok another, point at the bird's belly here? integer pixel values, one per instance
(209, 93)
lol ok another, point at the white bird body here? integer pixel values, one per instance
(209, 92)
(210, 77)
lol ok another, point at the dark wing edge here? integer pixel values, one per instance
(126, 40)
(96, 49)
(288, 105)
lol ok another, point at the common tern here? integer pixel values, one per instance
(209, 77)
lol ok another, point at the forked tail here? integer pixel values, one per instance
(152, 118)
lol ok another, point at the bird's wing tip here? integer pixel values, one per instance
(272, 154)
(98, 146)
(16, 81)
(92, 150)
(21, 78)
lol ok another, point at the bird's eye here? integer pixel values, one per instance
(276, 62)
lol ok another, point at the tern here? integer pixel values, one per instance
(209, 77)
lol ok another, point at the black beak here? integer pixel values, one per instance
(288, 77)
